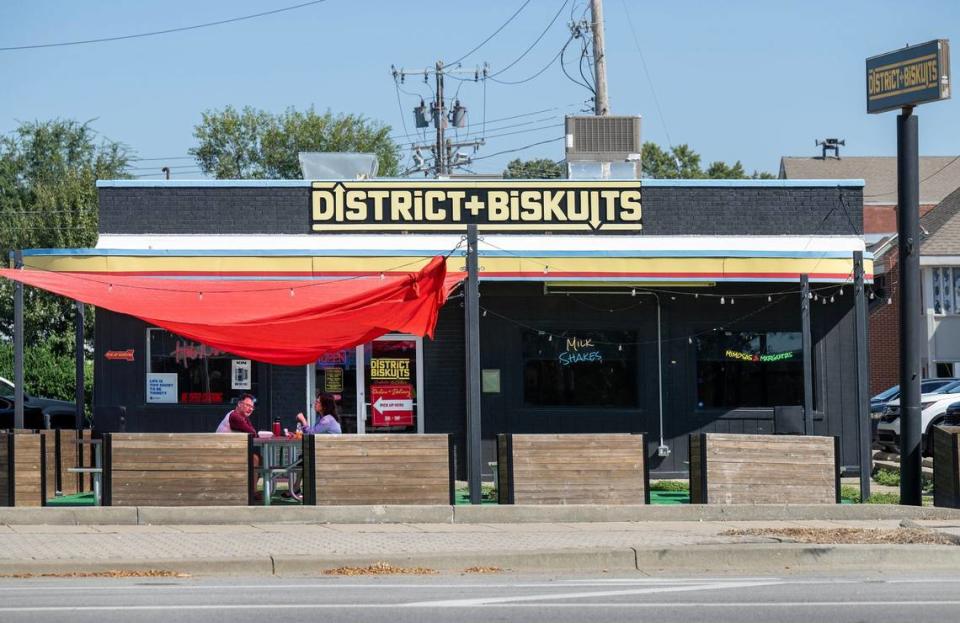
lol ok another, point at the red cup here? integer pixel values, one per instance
(276, 428)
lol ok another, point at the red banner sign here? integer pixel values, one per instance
(392, 405)
(119, 355)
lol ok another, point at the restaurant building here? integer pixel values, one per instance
(667, 307)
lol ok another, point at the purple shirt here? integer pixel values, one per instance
(327, 425)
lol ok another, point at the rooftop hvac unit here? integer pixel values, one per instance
(603, 139)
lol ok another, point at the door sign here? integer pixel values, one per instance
(392, 405)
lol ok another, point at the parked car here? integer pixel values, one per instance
(62, 413)
(933, 410)
(952, 416)
(879, 402)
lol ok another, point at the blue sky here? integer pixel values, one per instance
(747, 80)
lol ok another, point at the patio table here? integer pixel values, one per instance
(279, 458)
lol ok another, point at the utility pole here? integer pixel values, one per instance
(601, 103)
(440, 120)
(446, 156)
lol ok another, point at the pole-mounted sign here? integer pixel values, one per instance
(909, 76)
(902, 79)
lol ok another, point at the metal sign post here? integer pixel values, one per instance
(902, 79)
(471, 304)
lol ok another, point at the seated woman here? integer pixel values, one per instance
(327, 422)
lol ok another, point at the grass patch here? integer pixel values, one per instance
(669, 485)
(887, 478)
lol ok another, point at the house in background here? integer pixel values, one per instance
(939, 177)
(940, 269)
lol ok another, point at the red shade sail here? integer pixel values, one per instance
(281, 322)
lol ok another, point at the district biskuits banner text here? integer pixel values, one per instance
(494, 206)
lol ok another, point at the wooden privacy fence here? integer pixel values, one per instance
(61, 455)
(946, 466)
(182, 469)
(23, 469)
(378, 469)
(572, 469)
(764, 469)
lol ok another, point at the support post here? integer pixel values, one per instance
(601, 103)
(908, 226)
(18, 344)
(863, 399)
(79, 394)
(807, 355)
(440, 120)
(471, 304)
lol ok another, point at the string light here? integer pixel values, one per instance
(620, 347)
(841, 290)
(769, 299)
(831, 298)
(109, 287)
(633, 292)
(292, 294)
(722, 300)
(689, 340)
(731, 300)
(546, 270)
(871, 295)
(890, 301)
(815, 296)
(550, 339)
(824, 300)
(484, 313)
(200, 295)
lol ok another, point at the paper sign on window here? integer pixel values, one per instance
(162, 387)
(240, 374)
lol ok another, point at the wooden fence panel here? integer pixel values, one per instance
(946, 466)
(572, 469)
(764, 469)
(378, 469)
(22, 468)
(182, 469)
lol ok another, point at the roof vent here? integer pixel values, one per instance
(830, 143)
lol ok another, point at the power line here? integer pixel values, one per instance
(535, 42)
(495, 32)
(545, 68)
(920, 182)
(646, 71)
(510, 151)
(160, 32)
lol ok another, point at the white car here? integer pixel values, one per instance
(933, 410)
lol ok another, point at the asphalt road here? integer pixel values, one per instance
(483, 598)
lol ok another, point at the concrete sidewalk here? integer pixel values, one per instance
(587, 539)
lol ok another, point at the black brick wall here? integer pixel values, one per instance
(674, 210)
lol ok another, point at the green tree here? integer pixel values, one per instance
(48, 199)
(255, 144)
(682, 162)
(540, 168)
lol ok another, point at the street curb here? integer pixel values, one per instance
(695, 512)
(493, 514)
(69, 515)
(596, 559)
(740, 558)
(776, 557)
(261, 565)
(221, 515)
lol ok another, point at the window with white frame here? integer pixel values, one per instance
(946, 289)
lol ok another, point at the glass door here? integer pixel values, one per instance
(335, 374)
(390, 385)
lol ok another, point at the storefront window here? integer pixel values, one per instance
(580, 369)
(185, 372)
(749, 369)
